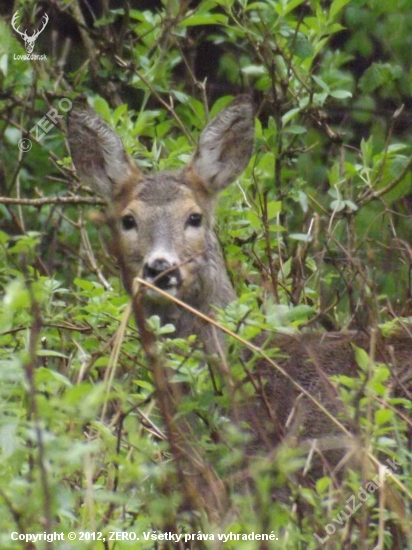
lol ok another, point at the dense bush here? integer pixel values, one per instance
(315, 233)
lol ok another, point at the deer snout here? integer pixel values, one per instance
(162, 273)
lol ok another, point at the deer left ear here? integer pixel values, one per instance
(98, 153)
(225, 146)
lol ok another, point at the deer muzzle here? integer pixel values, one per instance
(164, 275)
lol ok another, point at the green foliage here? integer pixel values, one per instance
(316, 230)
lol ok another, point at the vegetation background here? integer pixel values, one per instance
(316, 234)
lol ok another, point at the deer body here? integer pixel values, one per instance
(163, 229)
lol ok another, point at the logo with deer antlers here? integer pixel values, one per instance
(29, 41)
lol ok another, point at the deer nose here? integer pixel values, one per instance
(162, 273)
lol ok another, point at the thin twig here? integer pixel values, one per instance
(369, 195)
(76, 199)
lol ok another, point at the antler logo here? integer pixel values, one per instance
(29, 41)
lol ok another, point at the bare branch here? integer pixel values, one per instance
(52, 200)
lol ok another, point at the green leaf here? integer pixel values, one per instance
(394, 147)
(322, 484)
(381, 373)
(8, 438)
(50, 353)
(144, 119)
(338, 205)
(16, 296)
(371, 79)
(44, 375)
(255, 70)
(251, 6)
(340, 94)
(283, 8)
(144, 385)
(378, 74)
(303, 237)
(321, 83)
(346, 381)
(83, 284)
(336, 6)
(289, 115)
(303, 48)
(180, 96)
(254, 220)
(362, 358)
(387, 442)
(4, 238)
(296, 129)
(367, 150)
(351, 205)
(319, 99)
(273, 209)
(119, 112)
(101, 107)
(205, 19)
(219, 104)
(300, 313)
(226, 3)
(383, 416)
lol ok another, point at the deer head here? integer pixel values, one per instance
(163, 223)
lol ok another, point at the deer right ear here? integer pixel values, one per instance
(225, 146)
(97, 152)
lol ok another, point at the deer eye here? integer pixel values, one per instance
(194, 220)
(128, 222)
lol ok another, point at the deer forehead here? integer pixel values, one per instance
(162, 195)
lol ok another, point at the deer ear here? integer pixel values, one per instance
(225, 146)
(97, 152)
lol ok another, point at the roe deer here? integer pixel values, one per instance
(164, 222)
(163, 227)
